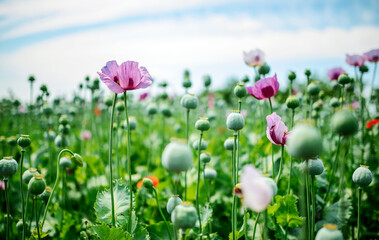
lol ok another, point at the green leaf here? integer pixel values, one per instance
(103, 205)
(105, 233)
(285, 211)
(158, 231)
(206, 216)
(141, 233)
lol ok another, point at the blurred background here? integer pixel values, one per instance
(61, 42)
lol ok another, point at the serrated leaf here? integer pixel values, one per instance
(285, 211)
(141, 233)
(206, 216)
(105, 233)
(158, 231)
(103, 205)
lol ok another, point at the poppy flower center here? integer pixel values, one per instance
(268, 92)
(116, 80)
(131, 83)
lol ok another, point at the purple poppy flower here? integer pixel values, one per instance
(143, 96)
(257, 193)
(127, 76)
(277, 131)
(372, 56)
(264, 88)
(334, 73)
(355, 60)
(254, 58)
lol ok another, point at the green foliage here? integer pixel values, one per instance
(158, 231)
(285, 211)
(106, 232)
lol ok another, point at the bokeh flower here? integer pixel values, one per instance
(86, 135)
(277, 131)
(355, 60)
(372, 123)
(257, 193)
(372, 56)
(254, 58)
(334, 73)
(143, 96)
(127, 76)
(264, 88)
(2, 185)
(152, 178)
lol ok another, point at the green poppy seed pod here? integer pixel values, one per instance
(313, 89)
(343, 79)
(108, 101)
(77, 159)
(264, 69)
(202, 124)
(12, 141)
(64, 129)
(272, 184)
(43, 88)
(65, 162)
(31, 78)
(177, 156)
(329, 232)
(132, 122)
(235, 121)
(205, 157)
(189, 101)
(152, 109)
(147, 183)
(304, 142)
(362, 176)
(307, 72)
(60, 141)
(292, 76)
(47, 110)
(63, 120)
(204, 145)
(163, 84)
(210, 173)
(173, 202)
(120, 106)
(315, 166)
(166, 111)
(37, 184)
(28, 174)
(24, 141)
(334, 102)
(164, 96)
(240, 90)
(245, 79)
(363, 69)
(187, 83)
(229, 144)
(293, 102)
(344, 123)
(207, 81)
(45, 195)
(8, 166)
(184, 216)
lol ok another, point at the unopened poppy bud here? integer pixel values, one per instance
(31, 78)
(44, 196)
(162, 84)
(77, 159)
(343, 79)
(235, 121)
(344, 123)
(187, 83)
(24, 141)
(205, 157)
(43, 88)
(37, 184)
(189, 101)
(363, 69)
(293, 102)
(65, 162)
(207, 81)
(204, 145)
(120, 106)
(166, 112)
(362, 176)
(164, 96)
(47, 110)
(184, 216)
(147, 183)
(313, 89)
(317, 105)
(315, 166)
(63, 120)
(210, 173)
(229, 144)
(334, 102)
(329, 232)
(132, 123)
(202, 124)
(177, 156)
(240, 90)
(292, 76)
(172, 203)
(304, 142)
(108, 101)
(307, 72)
(245, 79)
(8, 166)
(28, 174)
(152, 109)
(264, 69)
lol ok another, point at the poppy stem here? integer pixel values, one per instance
(198, 184)
(36, 216)
(359, 211)
(187, 136)
(373, 80)
(280, 166)
(335, 164)
(313, 222)
(22, 194)
(255, 225)
(7, 203)
(160, 211)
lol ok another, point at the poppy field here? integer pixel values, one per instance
(253, 160)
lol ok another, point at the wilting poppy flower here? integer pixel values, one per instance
(334, 73)
(372, 123)
(152, 178)
(372, 56)
(127, 76)
(264, 88)
(277, 131)
(355, 60)
(254, 57)
(257, 193)
(143, 96)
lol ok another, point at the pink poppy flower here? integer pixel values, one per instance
(143, 96)
(86, 135)
(127, 76)
(372, 56)
(334, 73)
(277, 131)
(254, 57)
(264, 88)
(355, 104)
(257, 193)
(355, 60)
(2, 185)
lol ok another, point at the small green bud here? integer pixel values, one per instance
(334, 102)
(207, 81)
(240, 90)
(189, 101)
(245, 79)
(63, 120)
(293, 102)
(173, 202)
(187, 83)
(43, 88)
(363, 69)
(132, 122)
(235, 121)
(164, 96)
(20, 225)
(205, 157)
(204, 145)
(166, 111)
(313, 89)
(120, 106)
(202, 124)
(264, 69)
(307, 72)
(24, 141)
(77, 159)
(147, 183)
(8, 166)
(292, 76)
(162, 84)
(317, 105)
(31, 78)
(152, 109)
(229, 144)
(362, 176)
(344, 79)
(37, 184)
(210, 173)
(47, 110)
(344, 123)
(108, 101)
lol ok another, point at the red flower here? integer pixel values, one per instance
(372, 123)
(152, 178)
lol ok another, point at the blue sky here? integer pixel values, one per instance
(62, 41)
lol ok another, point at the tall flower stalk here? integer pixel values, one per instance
(110, 159)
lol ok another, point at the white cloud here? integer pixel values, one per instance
(209, 45)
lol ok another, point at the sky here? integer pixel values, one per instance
(61, 42)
